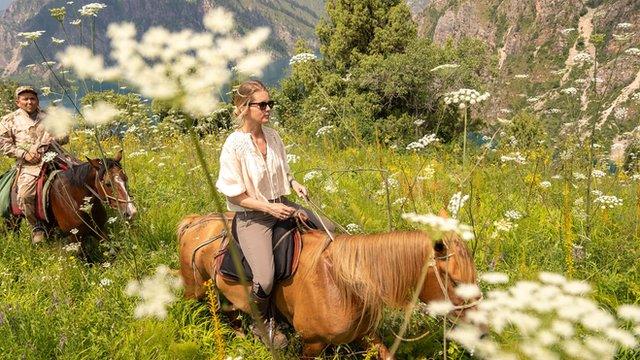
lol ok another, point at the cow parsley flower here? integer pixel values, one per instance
(32, 35)
(441, 225)
(456, 203)
(92, 9)
(302, 58)
(156, 293)
(100, 113)
(325, 130)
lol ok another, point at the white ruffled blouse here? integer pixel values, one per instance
(243, 169)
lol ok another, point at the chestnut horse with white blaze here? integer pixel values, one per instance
(339, 291)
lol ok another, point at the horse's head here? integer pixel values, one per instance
(111, 185)
(452, 266)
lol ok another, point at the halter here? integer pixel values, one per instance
(107, 196)
(432, 263)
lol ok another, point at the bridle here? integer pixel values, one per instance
(99, 184)
(443, 288)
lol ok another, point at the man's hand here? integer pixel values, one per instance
(299, 189)
(32, 157)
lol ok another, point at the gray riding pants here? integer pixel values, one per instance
(254, 230)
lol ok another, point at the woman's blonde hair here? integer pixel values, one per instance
(242, 95)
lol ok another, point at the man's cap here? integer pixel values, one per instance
(22, 89)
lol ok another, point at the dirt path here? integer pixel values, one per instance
(501, 51)
(624, 96)
(585, 28)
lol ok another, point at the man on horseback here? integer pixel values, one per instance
(23, 136)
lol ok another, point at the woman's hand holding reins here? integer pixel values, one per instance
(280, 211)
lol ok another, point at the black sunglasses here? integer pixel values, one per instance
(263, 104)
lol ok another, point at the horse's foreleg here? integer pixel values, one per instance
(374, 342)
(311, 350)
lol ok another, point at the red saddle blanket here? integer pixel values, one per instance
(42, 198)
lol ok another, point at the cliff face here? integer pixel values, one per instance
(289, 20)
(536, 41)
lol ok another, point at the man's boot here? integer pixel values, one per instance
(273, 337)
(38, 234)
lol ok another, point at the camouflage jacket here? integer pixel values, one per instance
(19, 134)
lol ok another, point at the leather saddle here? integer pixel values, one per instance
(286, 244)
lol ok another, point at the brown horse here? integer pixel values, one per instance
(88, 185)
(100, 183)
(338, 293)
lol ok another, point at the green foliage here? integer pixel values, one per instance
(363, 27)
(527, 129)
(7, 98)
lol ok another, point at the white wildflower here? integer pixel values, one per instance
(439, 308)
(302, 58)
(521, 76)
(608, 201)
(632, 51)
(423, 142)
(552, 278)
(156, 293)
(310, 175)
(516, 157)
(620, 113)
(582, 58)
(441, 225)
(545, 184)
(292, 158)
(75, 22)
(219, 20)
(100, 113)
(569, 91)
(92, 9)
(49, 156)
(58, 121)
(325, 130)
(72, 247)
(57, 41)
(456, 203)
(32, 35)
(105, 282)
(598, 173)
(353, 228)
(468, 291)
(630, 312)
(513, 215)
(494, 278)
(579, 176)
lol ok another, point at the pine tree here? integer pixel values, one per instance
(355, 28)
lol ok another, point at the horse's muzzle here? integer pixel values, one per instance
(130, 212)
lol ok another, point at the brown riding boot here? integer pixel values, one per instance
(273, 337)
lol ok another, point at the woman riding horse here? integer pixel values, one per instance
(255, 178)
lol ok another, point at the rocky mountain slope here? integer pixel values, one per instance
(289, 20)
(540, 48)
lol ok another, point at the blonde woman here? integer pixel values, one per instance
(255, 178)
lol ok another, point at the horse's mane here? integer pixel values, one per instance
(379, 269)
(79, 174)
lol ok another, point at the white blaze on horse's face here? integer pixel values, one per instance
(123, 197)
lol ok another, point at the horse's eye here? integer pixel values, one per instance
(107, 184)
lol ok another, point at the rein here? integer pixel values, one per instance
(432, 263)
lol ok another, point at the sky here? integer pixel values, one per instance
(4, 4)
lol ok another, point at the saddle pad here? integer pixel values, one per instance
(286, 243)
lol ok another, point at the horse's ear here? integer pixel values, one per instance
(95, 163)
(443, 213)
(118, 156)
